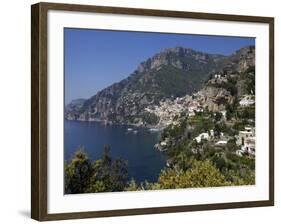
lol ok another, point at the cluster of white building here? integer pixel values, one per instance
(218, 78)
(210, 135)
(168, 109)
(245, 139)
(193, 107)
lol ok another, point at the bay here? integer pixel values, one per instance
(134, 144)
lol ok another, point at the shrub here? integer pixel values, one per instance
(201, 174)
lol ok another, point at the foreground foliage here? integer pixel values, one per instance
(108, 175)
(103, 175)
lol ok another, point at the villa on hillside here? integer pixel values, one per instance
(246, 139)
(221, 143)
(248, 132)
(201, 137)
(246, 101)
(223, 112)
(248, 147)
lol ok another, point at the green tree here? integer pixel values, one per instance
(78, 173)
(132, 186)
(108, 175)
(217, 130)
(103, 175)
(218, 116)
(231, 145)
(119, 174)
(246, 178)
(201, 174)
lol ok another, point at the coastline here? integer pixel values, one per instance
(106, 122)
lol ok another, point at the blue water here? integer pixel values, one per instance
(144, 162)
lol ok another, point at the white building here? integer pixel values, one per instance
(217, 76)
(246, 139)
(249, 146)
(239, 152)
(194, 106)
(243, 135)
(202, 136)
(223, 112)
(221, 143)
(247, 101)
(191, 113)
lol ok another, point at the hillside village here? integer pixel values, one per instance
(210, 102)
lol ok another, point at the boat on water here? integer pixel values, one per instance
(154, 129)
(129, 129)
(135, 131)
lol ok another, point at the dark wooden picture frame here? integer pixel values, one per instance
(39, 148)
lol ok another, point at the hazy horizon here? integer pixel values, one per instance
(95, 59)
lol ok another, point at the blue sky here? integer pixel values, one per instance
(95, 59)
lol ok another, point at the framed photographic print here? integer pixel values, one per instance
(138, 111)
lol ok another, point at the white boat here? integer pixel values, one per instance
(153, 129)
(129, 129)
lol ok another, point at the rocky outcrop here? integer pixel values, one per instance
(240, 61)
(214, 99)
(74, 108)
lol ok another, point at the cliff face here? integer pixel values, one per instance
(240, 61)
(174, 72)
